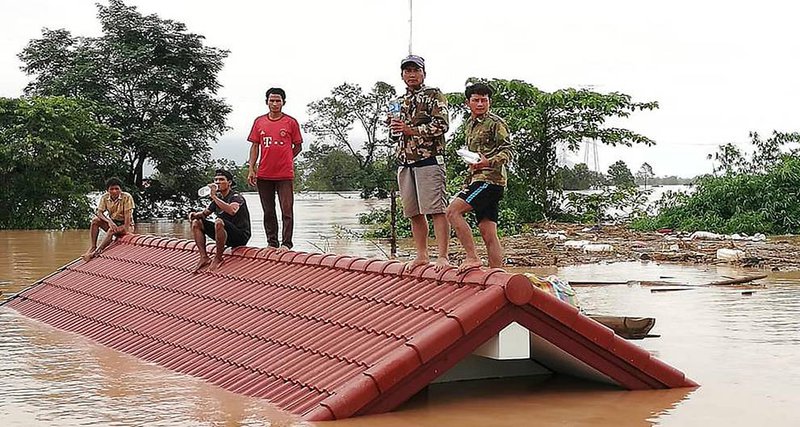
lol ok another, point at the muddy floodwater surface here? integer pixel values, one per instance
(741, 344)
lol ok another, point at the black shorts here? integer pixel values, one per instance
(236, 236)
(484, 199)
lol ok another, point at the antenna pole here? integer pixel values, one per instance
(410, 23)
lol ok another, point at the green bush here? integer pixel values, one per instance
(379, 223)
(739, 202)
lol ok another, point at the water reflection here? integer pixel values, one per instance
(743, 350)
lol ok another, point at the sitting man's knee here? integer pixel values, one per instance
(197, 224)
(219, 224)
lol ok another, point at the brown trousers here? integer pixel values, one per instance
(285, 191)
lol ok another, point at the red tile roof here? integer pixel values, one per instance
(321, 336)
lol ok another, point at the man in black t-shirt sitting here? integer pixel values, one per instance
(232, 226)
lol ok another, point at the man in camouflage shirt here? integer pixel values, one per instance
(420, 127)
(487, 135)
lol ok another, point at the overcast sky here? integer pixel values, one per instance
(718, 69)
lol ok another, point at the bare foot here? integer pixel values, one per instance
(469, 264)
(201, 263)
(440, 264)
(282, 249)
(411, 265)
(215, 264)
(88, 255)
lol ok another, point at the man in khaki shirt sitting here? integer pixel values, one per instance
(114, 215)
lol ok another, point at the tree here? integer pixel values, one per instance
(645, 173)
(332, 120)
(620, 176)
(330, 169)
(156, 81)
(49, 149)
(540, 122)
(731, 160)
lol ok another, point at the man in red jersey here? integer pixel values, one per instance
(276, 139)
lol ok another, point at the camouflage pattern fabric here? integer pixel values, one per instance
(424, 109)
(488, 135)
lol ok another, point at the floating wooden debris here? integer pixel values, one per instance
(649, 283)
(628, 282)
(671, 289)
(736, 281)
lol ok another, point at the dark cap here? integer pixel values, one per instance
(223, 172)
(413, 59)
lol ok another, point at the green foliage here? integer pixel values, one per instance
(379, 221)
(540, 122)
(379, 178)
(330, 169)
(619, 175)
(155, 81)
(670, 180)
(174, 196)
(337, 161)
(579, 178)
(729, 159)
(619, 203)
(744, 199)
(50, 150)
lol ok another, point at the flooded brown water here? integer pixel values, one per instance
(743, 350)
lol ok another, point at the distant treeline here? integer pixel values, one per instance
(580, 177)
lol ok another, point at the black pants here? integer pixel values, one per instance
(236, 236)
(285, 191)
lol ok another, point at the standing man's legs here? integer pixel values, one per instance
(441, 230)
(407, 185)
(419, 231)
(422, 190)
(266, 192)
(483, 198)
(286, 199)
(493, 249)
(432, 195)
(455, 214)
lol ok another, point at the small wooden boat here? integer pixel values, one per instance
(632, 328)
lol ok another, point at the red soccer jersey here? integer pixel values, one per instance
(275, 139)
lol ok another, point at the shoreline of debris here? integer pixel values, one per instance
(563, 244)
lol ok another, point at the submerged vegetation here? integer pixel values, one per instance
(746, 194)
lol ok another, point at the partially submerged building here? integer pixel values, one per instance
(326, 336)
